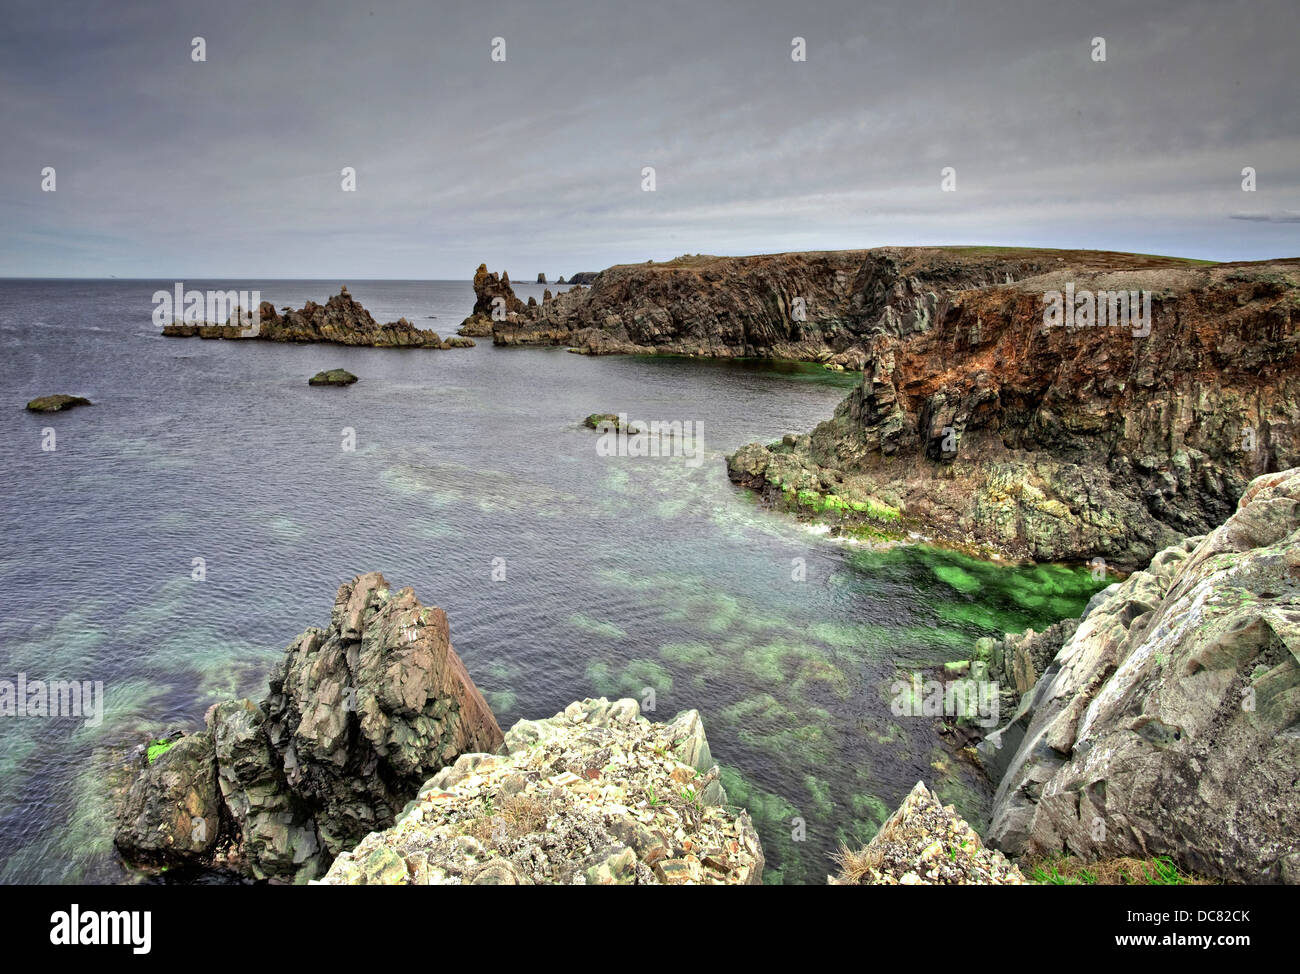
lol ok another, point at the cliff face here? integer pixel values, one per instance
(1167, 724)
(990, 428)
(819, 306)
(341, 320)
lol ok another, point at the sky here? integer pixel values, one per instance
(167, 167)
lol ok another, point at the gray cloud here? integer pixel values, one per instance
(231, 167)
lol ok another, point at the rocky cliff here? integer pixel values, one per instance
(818, 306)
(979, 423)
(359, 715)
(1168, 724)
(596, 795)
(341, 320)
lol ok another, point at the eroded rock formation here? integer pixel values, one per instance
(820, 306)
(925, 843)
(358, 716)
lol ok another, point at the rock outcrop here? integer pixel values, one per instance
(341, 320)
(978, 424)
(359, 715)
(1168, 724)
(332, 377)
(494, 299)
(56, 404)
(925, 843)
(596, 795)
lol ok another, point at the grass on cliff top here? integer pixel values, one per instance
(1115, 259)
(1120, 871)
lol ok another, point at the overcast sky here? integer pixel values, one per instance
(169, 168)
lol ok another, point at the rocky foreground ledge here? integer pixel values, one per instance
(596, 795)
(376, 758)
(341, 320)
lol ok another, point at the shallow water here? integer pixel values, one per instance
(620, 573)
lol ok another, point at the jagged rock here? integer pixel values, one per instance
(925, 843)
(1167, 724)
(172, 812)
(494, 299)
(596, 795)
(55, 404)
(359, 715)
(332, 377)
(341, 320)
(541, 278)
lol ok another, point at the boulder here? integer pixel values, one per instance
(596, 795)
(172, 812)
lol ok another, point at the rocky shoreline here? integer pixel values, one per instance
(989, 430)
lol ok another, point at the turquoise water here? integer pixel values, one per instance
(621, 574)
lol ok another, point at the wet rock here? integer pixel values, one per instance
(332, 377)
(359, 715)
(56, 404)
(172, 812)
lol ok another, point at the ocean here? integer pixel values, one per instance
(564, 573)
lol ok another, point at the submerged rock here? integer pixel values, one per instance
(596, 795)
(57, 403)
(332, 377)
(601, 421)
(1167, 723)
(925, 843)
(359, 715)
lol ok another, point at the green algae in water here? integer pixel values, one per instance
(157, 749)
(596, 627)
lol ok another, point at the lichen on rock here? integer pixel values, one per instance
(596, 795)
